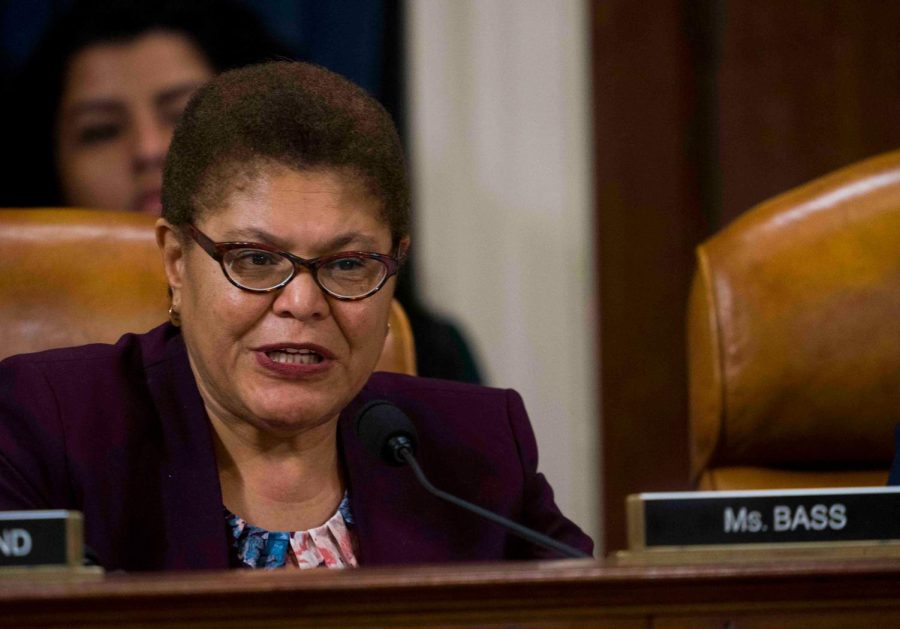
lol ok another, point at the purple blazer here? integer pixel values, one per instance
(119, 432)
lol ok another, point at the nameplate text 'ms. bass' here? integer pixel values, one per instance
(796, 516)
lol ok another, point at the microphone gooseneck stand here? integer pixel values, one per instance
(391, 436)
(514, 527)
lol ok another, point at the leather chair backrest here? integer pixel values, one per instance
(794, 337)
(69, 277)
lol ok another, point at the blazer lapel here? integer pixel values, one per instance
(390, 508)
(191, 494)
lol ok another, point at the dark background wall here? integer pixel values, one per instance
(704, 108)
(357, 38)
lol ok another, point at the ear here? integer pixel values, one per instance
(171, 247)
(403, 247)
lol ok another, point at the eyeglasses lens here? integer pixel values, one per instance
(258, 269)
(352, 276)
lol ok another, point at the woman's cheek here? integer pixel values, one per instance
(97, 178)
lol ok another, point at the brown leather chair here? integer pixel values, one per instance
(69, 277)
(794, 337)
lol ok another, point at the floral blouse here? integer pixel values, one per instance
(331, 545)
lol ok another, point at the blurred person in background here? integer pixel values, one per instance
(96, 104)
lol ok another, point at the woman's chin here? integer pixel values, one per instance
(292, 419)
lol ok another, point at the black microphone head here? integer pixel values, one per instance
(383, 427)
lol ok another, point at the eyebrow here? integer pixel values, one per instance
(361, 242)
(114, 106)
(95, 106)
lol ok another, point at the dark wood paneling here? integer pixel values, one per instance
(647, 222)
(804, 88)
(514, 594)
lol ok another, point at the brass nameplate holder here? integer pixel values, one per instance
(764, 525)
(51, 540)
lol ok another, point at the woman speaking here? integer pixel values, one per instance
(225, 437)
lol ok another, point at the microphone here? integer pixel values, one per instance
(390, 435)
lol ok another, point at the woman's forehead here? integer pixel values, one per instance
(283, 206)
(139, 68)
(268, 183)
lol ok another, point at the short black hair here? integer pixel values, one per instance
(291, 114)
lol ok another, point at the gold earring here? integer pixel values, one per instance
(174, 317)
(388, 331)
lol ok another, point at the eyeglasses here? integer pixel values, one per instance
(258, 268)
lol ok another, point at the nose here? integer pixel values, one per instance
(151, 141)
(302, 299)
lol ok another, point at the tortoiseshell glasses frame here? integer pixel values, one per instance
(346, 275)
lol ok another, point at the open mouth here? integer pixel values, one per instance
(291, 356)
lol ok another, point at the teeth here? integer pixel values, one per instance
(291, 356)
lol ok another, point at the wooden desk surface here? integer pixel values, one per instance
(573, 593)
